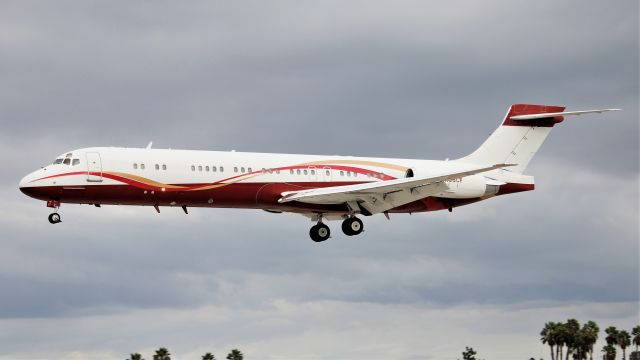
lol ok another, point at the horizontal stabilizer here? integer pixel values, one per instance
(564, 113)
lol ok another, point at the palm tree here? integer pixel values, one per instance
(581, 344)
(469, 354)
(609, 352)
(162, 354)
(235, 354)
(636, 336)
(560, 339)
(208, 356)
(590, 333)
(624, 340)
(612, 335)
(135, 356)
(571, 328)
(547, 336)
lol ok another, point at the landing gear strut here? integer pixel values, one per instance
(352, 226)
(319, 232)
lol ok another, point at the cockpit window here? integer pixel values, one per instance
(57, 161)
(75, 162)
(67, 161)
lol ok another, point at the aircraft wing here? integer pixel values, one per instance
(380, 196)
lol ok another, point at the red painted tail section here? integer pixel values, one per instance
(528, 109)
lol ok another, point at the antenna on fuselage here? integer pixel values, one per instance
(149, 145)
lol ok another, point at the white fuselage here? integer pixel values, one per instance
(134, 176)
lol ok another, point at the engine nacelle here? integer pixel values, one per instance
(473, 186)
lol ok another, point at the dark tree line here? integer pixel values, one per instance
(569, 340)
(163, 354)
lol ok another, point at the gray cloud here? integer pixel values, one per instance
(406, 79)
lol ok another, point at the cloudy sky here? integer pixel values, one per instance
(410, 79)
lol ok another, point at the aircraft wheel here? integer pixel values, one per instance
(352, 226)
(54, 218)
(319, 232)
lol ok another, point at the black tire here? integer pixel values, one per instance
(346, 227)
(54, 218)
(319, 232)
(352, 226)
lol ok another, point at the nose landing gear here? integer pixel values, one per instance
(54, 217)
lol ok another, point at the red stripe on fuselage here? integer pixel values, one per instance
(150, 185)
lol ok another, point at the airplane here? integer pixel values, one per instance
(318, 187)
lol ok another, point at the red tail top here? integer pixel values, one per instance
(527, 109)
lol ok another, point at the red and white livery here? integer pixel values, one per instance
(319, 187)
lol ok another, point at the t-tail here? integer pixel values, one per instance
(520, 135)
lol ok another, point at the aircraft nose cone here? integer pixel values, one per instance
(26, 190)
(24, 185)
(23, 182)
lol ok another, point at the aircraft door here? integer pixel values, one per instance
(94, 167)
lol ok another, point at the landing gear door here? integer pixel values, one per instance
(94, 167)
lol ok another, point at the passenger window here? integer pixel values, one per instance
(199, 167)
(214, 169)
(193, 168)
(341, 173)
(221, 169)
(235, 169)
(135, 166)
(327, 173)
(249, 170)
(142, 166)
(206, 168)
(313, 172)
(242, 169)
(291, 171)
(278, 171)
(164, 167)
(348, 173)
(304, 171)
(67, 161)
(355, 174)
(75, 162)
(298, 171)
(270, 171)
(157, 167)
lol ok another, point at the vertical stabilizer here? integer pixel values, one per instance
(516, 141)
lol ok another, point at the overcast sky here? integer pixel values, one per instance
(411, 79)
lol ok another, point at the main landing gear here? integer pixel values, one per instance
(319, 232)
(54, 217)
(350, 226)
